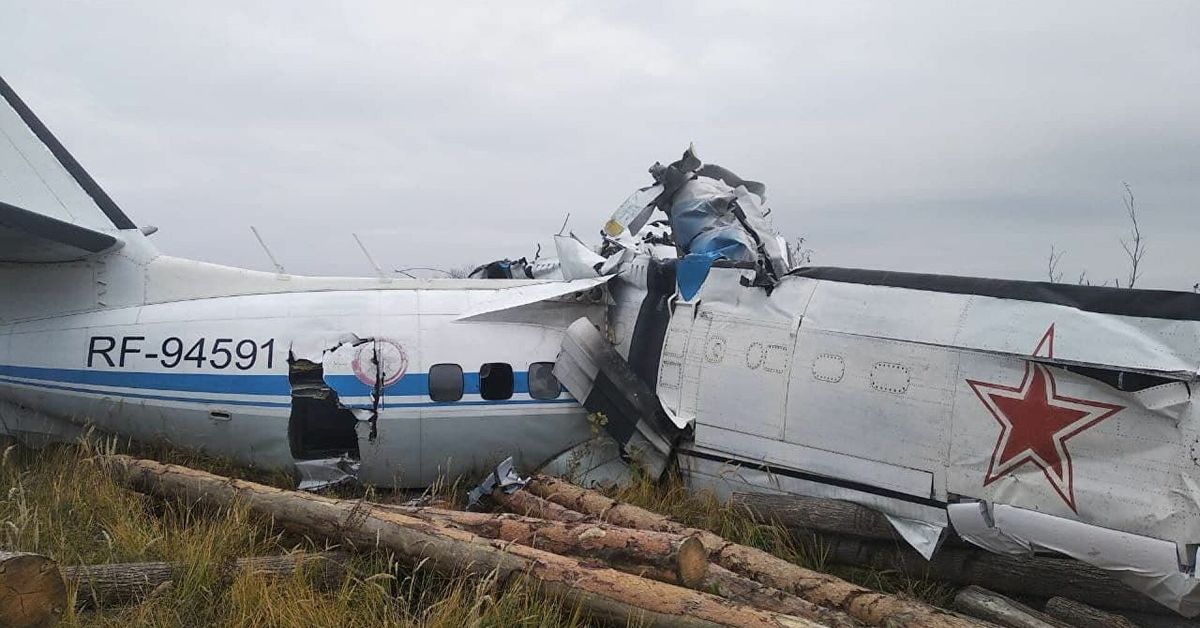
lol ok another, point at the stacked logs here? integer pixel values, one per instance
(616, 561)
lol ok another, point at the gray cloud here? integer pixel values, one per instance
(935, 136)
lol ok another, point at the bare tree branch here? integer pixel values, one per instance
(1135, 247)
(1052, 272)
(799, 254)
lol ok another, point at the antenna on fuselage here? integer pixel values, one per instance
(378, 270)
(278, 267)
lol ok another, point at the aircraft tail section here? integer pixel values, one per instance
(51, 210)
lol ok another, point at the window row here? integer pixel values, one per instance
(496, 381)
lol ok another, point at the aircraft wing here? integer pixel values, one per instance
(51, 210)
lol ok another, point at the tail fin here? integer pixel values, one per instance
(51, 210)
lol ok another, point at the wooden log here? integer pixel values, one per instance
(718, 580)
(604, 593)
(1081, 615)
(993, 607)
(123, 583)
(32, 591)
(870, 607)
(1037, 577)
(530, 505)
(684, 556)
(817, 514)
(743, 590)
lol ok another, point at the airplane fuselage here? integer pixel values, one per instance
(275, 377)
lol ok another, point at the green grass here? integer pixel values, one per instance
(56, 502)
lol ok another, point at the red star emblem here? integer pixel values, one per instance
(1036, 422)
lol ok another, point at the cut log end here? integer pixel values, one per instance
(692, 563)
(32, 591)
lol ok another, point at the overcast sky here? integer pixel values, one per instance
(951, 137)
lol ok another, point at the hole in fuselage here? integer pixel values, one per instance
(319, 426)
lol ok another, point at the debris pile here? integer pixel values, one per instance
(618, 562)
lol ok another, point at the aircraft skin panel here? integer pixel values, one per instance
(744, 369)
(873, 398)
(996, 325)
(735, 446)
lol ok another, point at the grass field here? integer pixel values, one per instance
(56, 502)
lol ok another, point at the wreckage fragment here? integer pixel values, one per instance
(716, 215)
(592, 370)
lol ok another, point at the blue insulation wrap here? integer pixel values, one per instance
(706, 230)
(692, 270)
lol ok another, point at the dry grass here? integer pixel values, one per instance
(56, 502)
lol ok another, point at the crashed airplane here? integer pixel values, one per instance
(1025, 416)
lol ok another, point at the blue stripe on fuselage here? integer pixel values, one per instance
(411, 385)
(241, 384)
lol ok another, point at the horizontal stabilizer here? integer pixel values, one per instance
(26, 236)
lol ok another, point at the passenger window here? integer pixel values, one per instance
(445, 382)
(495, 381)
(542, 382)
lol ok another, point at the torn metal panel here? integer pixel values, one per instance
(503, 478)
(575, 259)
(595, 462)
(313, 347)
(1148, 565)
(924, 536)
(316, 475)
(973, 522)
(632, 214)
(604, 382)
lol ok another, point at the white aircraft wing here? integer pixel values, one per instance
(51, 210)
